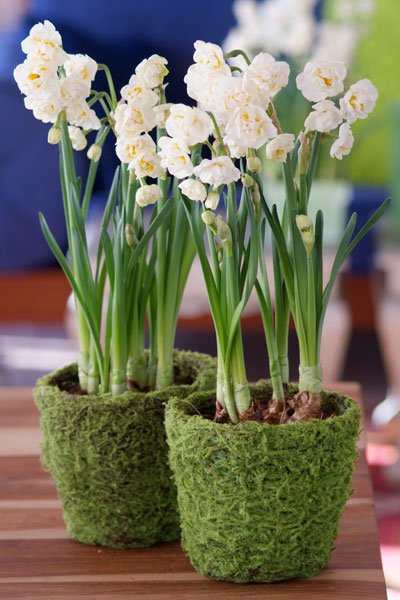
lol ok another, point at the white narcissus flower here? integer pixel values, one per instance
(193, 189)
(152, 70)
(147, 163)
(133, 119)
(231, 93)
(202, 85)
(44, 44)
(250, 126)
(82, 66)
(235, 150)
(268, 74)
(78, 140)
(127, 147)
(189, 124)
(321, 79)
(32, 76)
(161, 114)
(278, 148)
(175, 157)
(324, 117)
(46, 110)
(73, 89)
(343, 145)
(81, 115)
(218, 171)
(210, 57)
(136, 89)
(148, 194)
(359, 100)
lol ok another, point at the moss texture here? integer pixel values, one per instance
(108, 456)
(258, 502)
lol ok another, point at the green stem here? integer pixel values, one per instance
(93, 375)
(110, 82)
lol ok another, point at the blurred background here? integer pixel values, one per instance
(362, 335)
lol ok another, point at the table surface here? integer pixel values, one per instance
(38, 560)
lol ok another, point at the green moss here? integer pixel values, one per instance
(260, 502)
(108, 456)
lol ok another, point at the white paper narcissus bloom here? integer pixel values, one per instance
(231, 93)
(210, 57)
(133, 119)
(359, 100)
(235, 150)
(161, 114)
(250, 126)
(203, 86)
(193, 189)
(218, 171)
(175, 157)
(189, 124)
(81, 115)
(268, 74)
(44, 44)
(73, 89)
(148, 194)
(278, 148)
(78, 140)
(128, 146)
(136, 89)
(321, 79)
(343, 145)
(147, 163)
(46, 110)
(324, 117)
(32, 76)
(82, 66)
(152, 70)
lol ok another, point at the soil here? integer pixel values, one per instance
(68, 382)
(303, 406)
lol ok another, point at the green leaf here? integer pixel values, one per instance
(75, 287)
(158, 221)
(370, 223)
(109, 256)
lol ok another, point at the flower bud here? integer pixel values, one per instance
(305, 226)
(94, 152)
(212, 201)
(304, 152)
(208, 217)
(54, 135)
(131, 237)
(223, 231)
(254, 164)
(247, 180)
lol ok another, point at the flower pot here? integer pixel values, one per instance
(108, 456)
(258, 502)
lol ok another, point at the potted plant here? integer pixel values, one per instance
(262, 484)
(102, 418)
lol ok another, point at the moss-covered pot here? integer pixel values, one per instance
(108, 456)
(258, 502)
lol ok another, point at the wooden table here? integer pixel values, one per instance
(38, 560)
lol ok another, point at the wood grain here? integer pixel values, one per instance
(39, 561)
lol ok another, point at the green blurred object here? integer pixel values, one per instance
(377, 58)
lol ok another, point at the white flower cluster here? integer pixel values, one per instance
(321, 80)
(135, 116)
(53, 81)
(289, 28)
(239, 106)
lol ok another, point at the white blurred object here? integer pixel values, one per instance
(336, 42)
